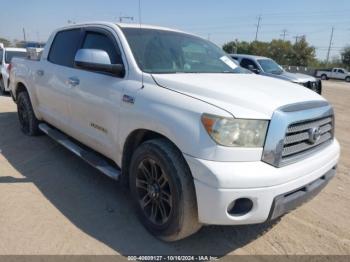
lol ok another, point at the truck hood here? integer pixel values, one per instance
(242, 95)
(293, 77)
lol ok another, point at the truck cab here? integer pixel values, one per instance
(340, 73)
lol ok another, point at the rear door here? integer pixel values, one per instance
(335, 73)
(52, 79)
(95, 101)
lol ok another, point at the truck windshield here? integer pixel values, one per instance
(167, 52)
(270, 66)
(11, 54)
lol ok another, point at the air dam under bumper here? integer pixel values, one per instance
(219, 184)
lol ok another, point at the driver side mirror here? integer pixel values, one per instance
(253, 69)
(97, 60)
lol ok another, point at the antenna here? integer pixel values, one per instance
(140, 22)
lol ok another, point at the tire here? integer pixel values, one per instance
(347, 79)
(28, 122)
(324, 77)
(2, 87)
(167, 205)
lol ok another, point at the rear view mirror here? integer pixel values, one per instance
(97, 60)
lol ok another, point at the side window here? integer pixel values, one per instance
(340, 71)
(1, 55)
(235, 58)
(64, 47)
(247, 63)
(95, 40)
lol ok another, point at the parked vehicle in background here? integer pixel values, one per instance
(268, 67)
(6, 55)
(196, 138)
(333, 73)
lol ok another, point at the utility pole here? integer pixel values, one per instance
(297, 37)
(24, 35)
(257, 28)
(284, 34)
(236, 46)
(330, 45)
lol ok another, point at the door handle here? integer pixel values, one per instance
(40, 72)
(73, 81)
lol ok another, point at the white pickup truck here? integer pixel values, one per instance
(6, 55)
(196, 139)
(334, 73)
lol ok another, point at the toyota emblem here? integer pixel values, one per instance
(314, 135)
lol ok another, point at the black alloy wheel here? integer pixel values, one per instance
(154, 192)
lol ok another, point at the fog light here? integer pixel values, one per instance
(240, 207)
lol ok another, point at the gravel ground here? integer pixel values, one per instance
(51, 202)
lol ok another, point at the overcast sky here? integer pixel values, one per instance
(220, 20)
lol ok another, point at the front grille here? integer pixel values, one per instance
(315, 86)
(300, 140)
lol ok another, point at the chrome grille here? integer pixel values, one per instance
(297, 131)
(298, 139)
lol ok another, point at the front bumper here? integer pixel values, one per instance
(286, 202)
(273, 191)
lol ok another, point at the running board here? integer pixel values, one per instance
(88, 155)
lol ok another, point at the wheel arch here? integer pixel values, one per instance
(22, 87)
(132, 142)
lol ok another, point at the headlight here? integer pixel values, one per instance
(236, 132)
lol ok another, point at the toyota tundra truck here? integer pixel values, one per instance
(196, 139)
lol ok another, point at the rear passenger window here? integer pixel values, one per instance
(247, 62)
(65, 47)
(99, 41)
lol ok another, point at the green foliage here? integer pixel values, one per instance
(284, 52)
(345, 56)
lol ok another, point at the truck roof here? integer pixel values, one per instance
(122, 25)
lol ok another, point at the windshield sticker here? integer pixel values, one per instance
(228, 62)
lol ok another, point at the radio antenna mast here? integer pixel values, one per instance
(140, 23)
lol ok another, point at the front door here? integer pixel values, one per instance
(97, 96)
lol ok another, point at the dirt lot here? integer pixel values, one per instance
(51, 202)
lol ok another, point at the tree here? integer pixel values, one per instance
(284, 52)
(5, 42)
(345, 56)
(303, 54)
